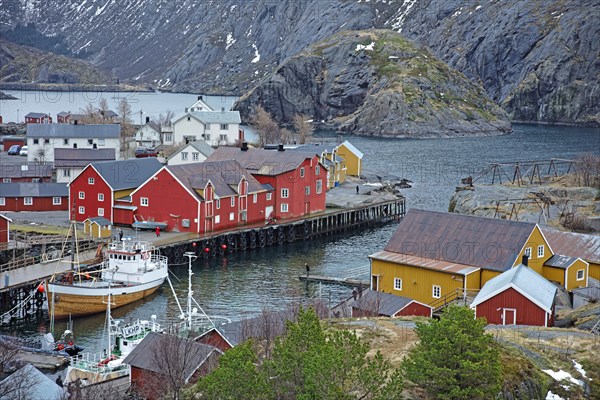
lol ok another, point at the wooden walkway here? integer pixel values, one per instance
(334, 281)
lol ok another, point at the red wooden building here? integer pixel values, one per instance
(33, 197)
(4, 230)
(372, 303)
(63, 117)
(299, 179)
(519, 296)
(202, 197)
(33, 172)
(103, 188)
(9, 141)
(38, 118)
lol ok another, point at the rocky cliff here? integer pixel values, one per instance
(376, 83)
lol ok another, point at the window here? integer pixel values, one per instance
(206, 136)
(231, 216)
(254, 198)
(36, 141)
(269, 196)
(81, 210)
(56, 201)
(184, 156)
(218, 203)
(66, 172)
(233, 202)
(91, 181)
(65, 141)
(528, 252)
(35, 180)
(2, 201)
(101, 212)
(437, 292)
(90, 141)
(208, 127)
(224, 127)
(217, 219)
(101, 142)
(580, 274)
(100, 196)
(317, 169)
(168, 137)
(81, 195)
(397, 284)
(6, 180)
(319, 186)
(540, 251)
(46, 141)
(144, 201)
(28, 201)
(195, 156)
(285, 193)
(302, 172)
(307, 190)
(74, 145)
(284, 207)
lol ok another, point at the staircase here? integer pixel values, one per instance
(456, 296)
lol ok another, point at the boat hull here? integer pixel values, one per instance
(75, 301)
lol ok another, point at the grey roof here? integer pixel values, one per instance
(38, 385)
(386, 304)
(212, 117)
(28, 189)
(573, 244)
(77, 117)
(239, 331)
(64, 113)
(524, 280)
(36, 115)
(153, 125)
(127, 174)
(260, 161)
(559, 261)
(224, 175)
(353, 149)
(108, 113)
(203, 147)
(100, 221)
(477, 241)
(591, 293)
(316, 148)
(81, 157)
(101, 131)
(34, 170)
(144, 355)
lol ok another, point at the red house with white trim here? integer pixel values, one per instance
(299, 179)
(38, 118)
(103, 188)
(202, 197)
(371, 303)
(518, 296)
(26, 196)
(63, 117)
(4, 230)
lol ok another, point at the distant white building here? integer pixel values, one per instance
(217, 128)
(194, 152)
(42, 139)
(148, 135)
(201, 105)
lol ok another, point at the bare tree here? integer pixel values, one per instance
(164, 121)
(103, 106)
(285, 136)
(127, 129)
(588, 170)
(92, 116)
(21, 383)
(268, 130)
(303, 127)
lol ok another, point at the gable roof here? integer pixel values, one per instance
(200, 103)
(34, 170)
(237, 332)
(143, 356)
(353, 149)
(387, 304)
(36, 115)
(573, 244)
(212, 117)
(64, 114)
(524, 280)
(101, 131)
(260, 161)
(127, 174)
(99, 221)
(314, 148)
(559, 261)
(30, 189)
(30, 383)
(481, 242)
(224, 175)
(5, 217)
(200, 145)
(81, 157)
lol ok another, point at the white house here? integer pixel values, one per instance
(215, 127)
(70, 162)
(200, 105)
(148, 135)
(193, 152)
(42, 139)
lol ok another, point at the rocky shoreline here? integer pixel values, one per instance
(4, 96)
(58, 87)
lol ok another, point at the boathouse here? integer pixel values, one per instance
(336, 165)
(97, 227)
(372, 303)
(4, 230)
(33, 197)
(436, 257)
(203, 197)
(298, 179)
(352, 158)
(103, 189)
(63, 117)
(518, 296)
(586, 247)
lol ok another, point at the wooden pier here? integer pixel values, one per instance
(335, 281)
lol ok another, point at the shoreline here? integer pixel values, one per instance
(51, 87)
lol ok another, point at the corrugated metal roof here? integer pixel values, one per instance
(212, 117)
(81, 157)
(559, 261)
(260, 161)
(428, 263)
(387, 304)
(36, 115)
(34, 170)
(315, 149)
(482, 242)
(573, 244)
(203, 147)
(127, 174)
(523, 279)
(28, 189)
(100, 221)
(99, 131)
(353, 149)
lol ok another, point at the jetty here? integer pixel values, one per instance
(335, 281)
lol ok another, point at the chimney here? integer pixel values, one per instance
(199, 97)
(222, 109)
(280, 148)
(525, 260)
(244, 146)
(186, 109)
(147, 119)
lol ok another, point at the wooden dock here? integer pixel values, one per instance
(335, 281)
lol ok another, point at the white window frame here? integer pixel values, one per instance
(101, 212)
(438, 289)
(217, 219)
(6, 180)
(101, 142)
(398, 284)
(302, 172)
(218, 204)
(28, 201)
(81, 210)
(307, 190)
(540, 252)
(254, 198)
(100, 196)
(285, 193)
(195, 156)
(319, 186)
(144, 201)
(269, 196)
(81, 195)
(184, 156)
(284, 207)
(91, 181)
(232, 201)
(582, 274)
(528, 252)
(317, 169)
(2, 201)
(56, 201)
(168, 137)
(67, 172)
(231, 216)
(224, 127)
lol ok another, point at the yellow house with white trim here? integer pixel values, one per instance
(352, 157)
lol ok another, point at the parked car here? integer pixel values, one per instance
(23, 151)
(14, 150)
(141, 152)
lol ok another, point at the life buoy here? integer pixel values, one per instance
(145, 256)
(60, 347)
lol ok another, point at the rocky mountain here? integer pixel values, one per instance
(539, 60)
(376, 83)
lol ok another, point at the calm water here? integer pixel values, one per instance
(243, 284)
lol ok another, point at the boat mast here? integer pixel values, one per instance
(191, 257)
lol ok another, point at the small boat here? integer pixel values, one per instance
(131, 269)
(148, 225)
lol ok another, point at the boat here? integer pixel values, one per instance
(131, 269)
(140, 223)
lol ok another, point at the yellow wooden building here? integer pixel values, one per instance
(586, 247)
(436, 256)
(97, 227)
(352, 157)
(328, 155)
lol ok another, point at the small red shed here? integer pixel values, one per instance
(38, 118)
(519, 296)
(372, 303)
(4, 230)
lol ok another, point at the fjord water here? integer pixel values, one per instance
(242, 284)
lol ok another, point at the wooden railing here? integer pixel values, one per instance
(452, 297)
